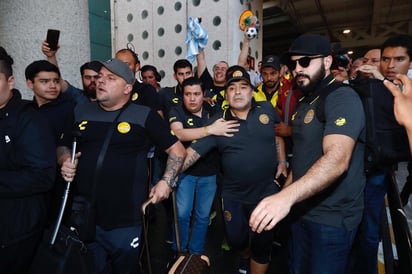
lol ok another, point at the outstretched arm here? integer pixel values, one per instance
(220, 127)
(242, 59)
(191, 157)
(335, 161)
(201, 63)
(176, 154)
(51, 57)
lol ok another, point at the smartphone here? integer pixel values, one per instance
(53, 38)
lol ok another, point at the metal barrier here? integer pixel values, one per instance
(400, 231)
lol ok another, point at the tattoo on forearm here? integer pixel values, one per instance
(277, 148)
(190, 160)
(173, 166)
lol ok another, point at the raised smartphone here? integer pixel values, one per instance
(53, 38)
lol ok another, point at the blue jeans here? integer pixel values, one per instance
(319, 249)
(194, 193)
(365, 250)
(116, 250)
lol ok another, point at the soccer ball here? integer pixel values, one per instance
(251, 33)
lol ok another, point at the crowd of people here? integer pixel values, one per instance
(247, 144)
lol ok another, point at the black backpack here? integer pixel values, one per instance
(386, 142)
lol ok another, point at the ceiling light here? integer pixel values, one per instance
(346, 31)
(350, 52)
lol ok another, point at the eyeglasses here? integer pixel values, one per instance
(304, 62)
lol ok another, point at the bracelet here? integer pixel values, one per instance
(206, 131)
(283, 162)
(172, 183)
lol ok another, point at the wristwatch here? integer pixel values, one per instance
(170, 181)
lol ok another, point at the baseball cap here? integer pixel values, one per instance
(310, 44)
(236, 73)
(119, 68)
(271, 61)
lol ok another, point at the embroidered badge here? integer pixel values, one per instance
(309, 116)
(123, 127)
(340, 122)
(264, 119)
(135, 96)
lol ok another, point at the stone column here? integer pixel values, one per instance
(24, 24)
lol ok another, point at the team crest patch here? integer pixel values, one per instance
(135, 96)
(123, 127)
(227, 215)
(340, 121)
(309, 116)
(264, 119)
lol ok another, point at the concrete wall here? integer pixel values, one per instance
(24, 23)
(157, 29)
(23, 26)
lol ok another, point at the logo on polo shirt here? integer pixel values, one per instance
(189, 121)
(135, 95)
(123, 127)
(82, 125)
(309, 116)
(340, 121)
(264, 119)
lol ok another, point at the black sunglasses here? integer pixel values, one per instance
(303, 62)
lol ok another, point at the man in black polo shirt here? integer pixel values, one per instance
(142, 93)
(197, 185)
(249, 162)
(172, 96)
(327, 171)
(122, 185)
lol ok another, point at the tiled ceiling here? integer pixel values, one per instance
(370, 22)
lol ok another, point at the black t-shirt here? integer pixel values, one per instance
(208, 84)
(170, 97)
(208, 164)
(122, 185)
(145, 95)
(249, 158)
(342, 202)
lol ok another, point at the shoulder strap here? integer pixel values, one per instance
(102, 154)
(323, 94)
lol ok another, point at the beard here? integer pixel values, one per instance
(90, 91)
(313, 81)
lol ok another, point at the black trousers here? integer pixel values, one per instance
(16, 258)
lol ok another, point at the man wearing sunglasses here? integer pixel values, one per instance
(327, 179)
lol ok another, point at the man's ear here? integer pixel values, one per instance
(10, 82)
(128, 89)
(327, 61)
(29, 84)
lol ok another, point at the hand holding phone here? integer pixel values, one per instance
(53, 38)
(281, 180)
